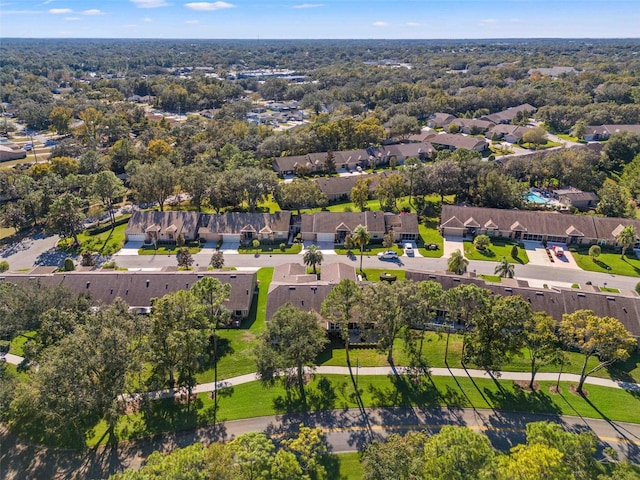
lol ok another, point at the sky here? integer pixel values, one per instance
(341, 19)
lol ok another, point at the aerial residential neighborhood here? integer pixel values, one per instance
(306, 259)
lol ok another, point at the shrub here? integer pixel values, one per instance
(638, 288)
(255, 243)
(180, 240)
(109, 265)
(514, 251)
(283, 247)
(348, 208)
(481, 242)
(69, 266)
(594, 251)
(87, 259)
(217, 260)
(4, 266)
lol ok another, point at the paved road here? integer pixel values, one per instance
(36, 250)
(346, 430)
(424, 264)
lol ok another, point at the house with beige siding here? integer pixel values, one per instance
(245, 227)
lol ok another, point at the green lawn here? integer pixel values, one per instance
(608, 261)
(491, 278)
(328, 392)
(373, 274)
(271, 249)
(434, 351)
(499, 248)
(429, 234)
(350, 466)
(544, 146)
(568, 138)
(105, 243)
(166, 250)
(6, 232)
(17, 343)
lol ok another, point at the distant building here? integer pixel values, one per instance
(510, 114)
(572, 197)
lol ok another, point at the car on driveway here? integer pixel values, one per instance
(408, 250)
(557, 251)
(388, 255)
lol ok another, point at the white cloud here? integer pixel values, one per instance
(72, 19)
(380, 24)
(150, 3)
(309, 5)
(147, 20)
(60, 11)
(93, 11)
(208, 6)
(488, 21)
(191, 22)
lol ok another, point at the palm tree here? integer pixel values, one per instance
(360, 237)
(457, 263)
(313, 257)
(626, 238)
(504, 268)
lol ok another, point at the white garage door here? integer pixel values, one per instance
(325, 237)
(231, 238)
(138, 237)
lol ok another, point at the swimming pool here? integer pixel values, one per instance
(532, 197)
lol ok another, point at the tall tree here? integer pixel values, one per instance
(497, 335)
(604, 338)
(154, 182)
(382, 306)
(196, 179)
(360, 193)
(541, 342)
(108, 188)
(292, 340)
(398, 457)
(61, 118)
(626, 239)
(300, 194)
(615, 200)
(212, 293)
(66, 216)
(313, 257)
(360, 238)
(339, 307)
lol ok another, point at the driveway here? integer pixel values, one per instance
(451, 244)
(327, 248)
(566, 260)
(39, 249)
(130, 248)
(230, 248)
(538, 256)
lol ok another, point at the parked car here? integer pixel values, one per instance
(387, 255)
(27, 147)
(408, 250)
(557, 251)
(50, 143)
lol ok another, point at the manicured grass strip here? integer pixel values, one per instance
(373, 274)
(105, 243)
(607, 261)
(429, 234)
(491, 278)
(328, 392)
(271, 249)
(350, 466)
(434, 349)
(495, 252)
(166, 250)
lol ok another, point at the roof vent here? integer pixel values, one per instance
(582, 295)
(233, 276)
(88, 284)
(613, 299)
(111, 292)
(148, 283)
(508, 289)
(456, 279)
(292, 288)
(540, 294)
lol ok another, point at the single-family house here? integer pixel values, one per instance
(471, 126)
(403, 225)
(162, 227)
(532, 225)
(339, 188)
(508, 133)
(11, 151)
(553, 72)
(335, 226)
(603, 132)
(440, 120)
(454, 141)
(572, 197)
(510, 114)
(401, 152)
(138, 289)
(245, 227)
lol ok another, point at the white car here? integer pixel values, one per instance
(387, 255)
(408, 250)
